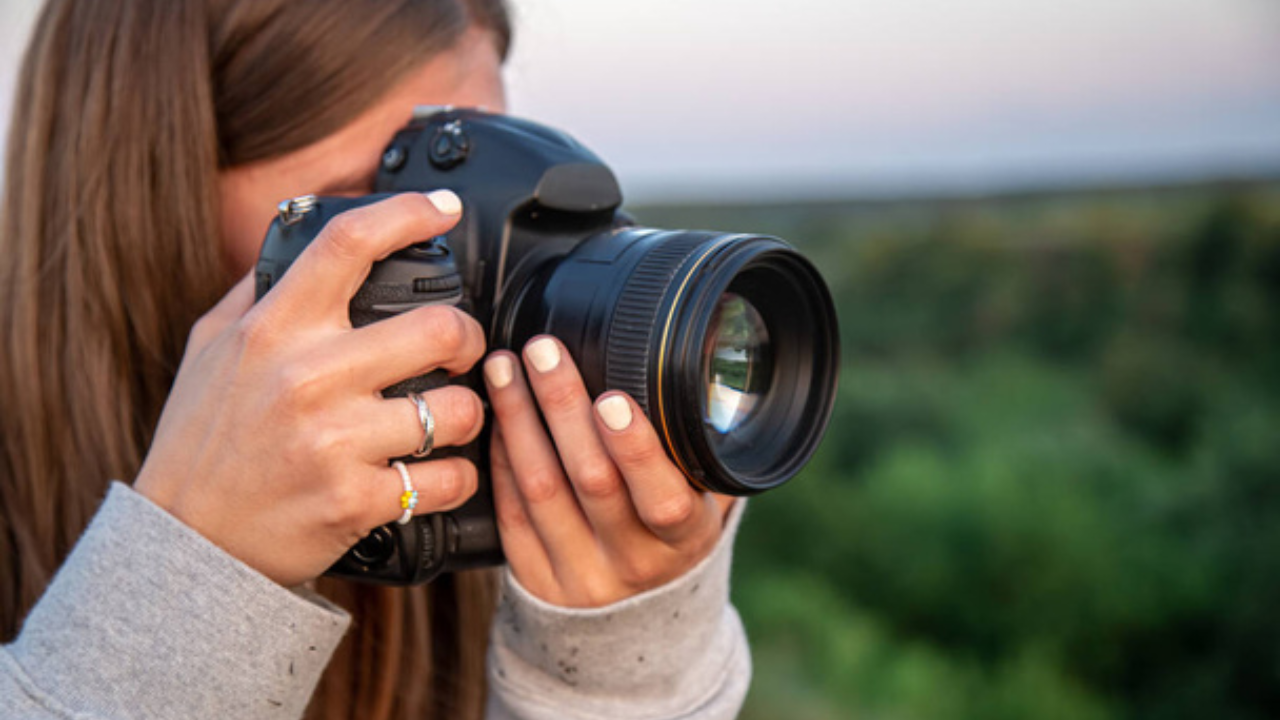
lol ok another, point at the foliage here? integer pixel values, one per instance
(1051, 487)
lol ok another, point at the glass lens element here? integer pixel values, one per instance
(737, 363)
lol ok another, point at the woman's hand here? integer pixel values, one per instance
(596, 512)
(275, 440)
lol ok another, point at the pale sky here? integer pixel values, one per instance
(697, 98)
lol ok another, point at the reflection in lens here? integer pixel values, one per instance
(737, 363)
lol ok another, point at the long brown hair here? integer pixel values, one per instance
(125, 113)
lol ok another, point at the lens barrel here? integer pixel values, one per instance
(728, 342)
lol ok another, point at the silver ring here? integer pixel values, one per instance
(409, 498)
(428, 425)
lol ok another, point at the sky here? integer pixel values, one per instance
(737, 99)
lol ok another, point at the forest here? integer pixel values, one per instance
(1051, 483)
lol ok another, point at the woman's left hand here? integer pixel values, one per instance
(596, 512)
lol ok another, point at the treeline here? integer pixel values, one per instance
(1051, 488)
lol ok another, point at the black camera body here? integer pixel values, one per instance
(727, 341)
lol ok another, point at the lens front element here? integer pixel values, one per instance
(738, 363)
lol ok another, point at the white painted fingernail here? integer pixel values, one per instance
(544, 354)
(615, 411)
(446, 201)
(498, 371)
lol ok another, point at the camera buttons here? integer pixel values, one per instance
(449, 146)
(394, 158)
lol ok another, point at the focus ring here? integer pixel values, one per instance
(635, 321)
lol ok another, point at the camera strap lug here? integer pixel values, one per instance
(291, 211)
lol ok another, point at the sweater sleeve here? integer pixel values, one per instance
(148, 619)
(677, 651)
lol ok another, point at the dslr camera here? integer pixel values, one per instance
(727, 341)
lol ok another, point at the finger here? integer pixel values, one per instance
(327, 274)
(391, 428)
(229, 309)
(441, 484)
(520, 543)
(565, 404)
(666, 503)
(538, 477)
(413, 343)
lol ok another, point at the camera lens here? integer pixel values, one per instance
(728, 342)
(737, 364)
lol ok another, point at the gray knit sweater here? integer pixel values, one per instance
(147, 619)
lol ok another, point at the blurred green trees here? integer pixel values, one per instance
(1051, 487)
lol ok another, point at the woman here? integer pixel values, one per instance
(151, 142)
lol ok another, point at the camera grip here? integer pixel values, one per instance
(434, 543)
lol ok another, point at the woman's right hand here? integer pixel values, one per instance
(274, 442)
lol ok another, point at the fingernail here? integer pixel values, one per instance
(544, 354)
(615, 411)
(446, 201)
(498, 371)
